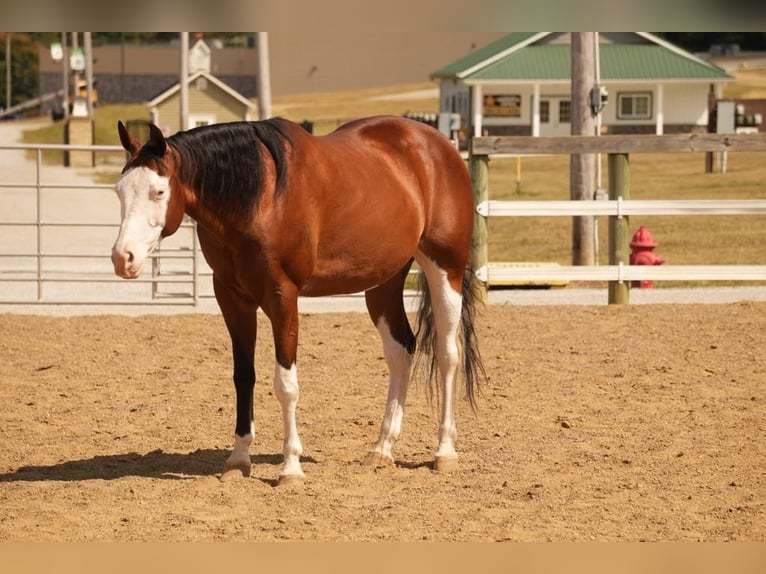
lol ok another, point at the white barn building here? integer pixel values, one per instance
(521, 85)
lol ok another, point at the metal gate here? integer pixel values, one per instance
(57, 226)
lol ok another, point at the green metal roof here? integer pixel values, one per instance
(553, 62)
(636, 61)
(532, 63)
(481, 54)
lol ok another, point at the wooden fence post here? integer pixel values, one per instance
(619, 225)
(478, 167)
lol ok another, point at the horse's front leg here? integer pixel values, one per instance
(282, 310)
(241, 321)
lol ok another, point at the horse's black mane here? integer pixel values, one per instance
(223, 162)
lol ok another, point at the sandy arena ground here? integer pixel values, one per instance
(598, 423)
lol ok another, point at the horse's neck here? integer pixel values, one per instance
(203, 214)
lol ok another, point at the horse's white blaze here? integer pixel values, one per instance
(144, 197)
(447, 305)
(399, 362)
(287, 392)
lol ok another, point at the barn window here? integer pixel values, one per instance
(634, 105)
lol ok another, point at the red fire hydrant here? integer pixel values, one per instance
(642, 253)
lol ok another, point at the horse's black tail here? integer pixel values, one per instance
(473, 367)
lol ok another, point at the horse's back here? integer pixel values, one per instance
(396, 135)
(419, 154)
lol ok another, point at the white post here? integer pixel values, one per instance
(660, 109)
(478, 109)
(536, 110)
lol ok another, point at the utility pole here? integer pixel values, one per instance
(65, 79)
(582, 166)
(263, 84)
(8, 76)
(88, 46)
(184, 94)
(76, 73)
(65, 71)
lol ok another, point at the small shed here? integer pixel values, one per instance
(210, 101)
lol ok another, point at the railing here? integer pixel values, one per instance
(618, 208)
(61, 269)
(55, 237)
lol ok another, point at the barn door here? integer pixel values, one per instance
(555, 116)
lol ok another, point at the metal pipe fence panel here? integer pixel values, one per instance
(56, 232)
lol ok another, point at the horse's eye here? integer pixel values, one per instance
(159, 193)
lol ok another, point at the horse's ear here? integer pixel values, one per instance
(130, 143)
(157, 140)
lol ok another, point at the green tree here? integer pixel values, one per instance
(24, 68)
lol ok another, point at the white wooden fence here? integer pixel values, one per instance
(618, 208)
(623, 208)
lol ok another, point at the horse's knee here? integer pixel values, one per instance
(286, 384)
(398, 355)
(448, 357)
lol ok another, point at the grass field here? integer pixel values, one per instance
(681, 239)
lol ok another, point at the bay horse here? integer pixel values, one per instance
(281, 213)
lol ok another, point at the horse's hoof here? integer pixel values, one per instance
(235, 472)
(377, 460)
(446, 463)
(290, 480)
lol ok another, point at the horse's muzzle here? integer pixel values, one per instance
(125, 263)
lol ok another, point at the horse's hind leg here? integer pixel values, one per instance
(386, 308)
(446, 301)
(282, 309)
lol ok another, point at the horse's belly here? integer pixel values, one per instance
(354, 271)
(344, 281)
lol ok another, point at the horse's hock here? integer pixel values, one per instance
(79, 132)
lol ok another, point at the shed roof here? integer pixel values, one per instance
(212, 79)
(525, 57)
(483, 55)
